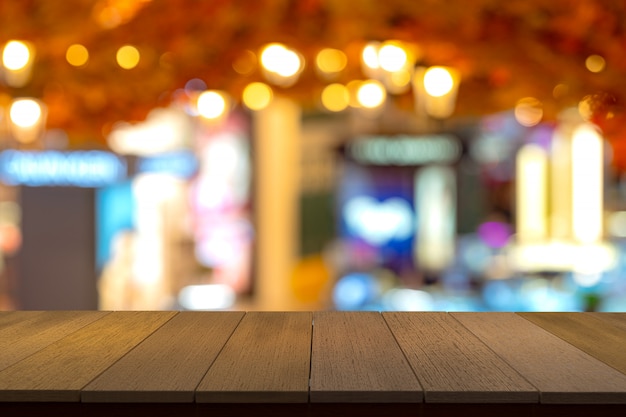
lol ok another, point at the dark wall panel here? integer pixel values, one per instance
(56, 267)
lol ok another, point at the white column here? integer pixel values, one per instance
(587, 185)
(531, 194)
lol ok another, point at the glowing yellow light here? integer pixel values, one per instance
(392, 57)
(77, 55)
(584, 108)
(211, 104)
(353, 90)
(257, 96)
(438, 81)
(271, 56)
(127, 57)
(335, 97)
(370, 56)
(587, 187)
(371, 94)
(531, 199)
(401, 78)
(279, 59)
(25, 112)
(595, 63)
(16, 55)
(528, 111)
(331, 60)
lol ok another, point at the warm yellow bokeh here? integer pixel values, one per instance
(257, 96)
(335, 97)
(330, 60)
(595, 63)
(77, 55)
(128, 57)
(529, 111)
(212, 104)
(25, 112)
(392, 57)
(16, 55)
(277, 58)
(371, 94)
(438, 81)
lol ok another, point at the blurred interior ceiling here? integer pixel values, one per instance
(504, 51)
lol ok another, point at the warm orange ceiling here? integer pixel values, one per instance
(504, 50)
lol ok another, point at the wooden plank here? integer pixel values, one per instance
(266, 360)
(596, 337)
(355, 358)
(562, 373)
(59, 371)
(7, 318)
(27, 332)
(616, 319)
(453, 365)
(169, 364)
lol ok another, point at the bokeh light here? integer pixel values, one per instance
(25, 112)
(331, 60)
(595, 63)
(401, 78)
(371, 94)
(212, 104)
(335, 97)
(206, 297)
(277, 58)
(128, 57)
(77, 55)
(584, 108)
(438, 81)
(370, 56)
(392, 57)
(257, 96)
(245, 64)
(405, 299)
(528, 111)
(16, 55)
(354, 291)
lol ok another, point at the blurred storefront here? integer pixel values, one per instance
(388, 168)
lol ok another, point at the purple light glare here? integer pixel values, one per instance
(494, 234)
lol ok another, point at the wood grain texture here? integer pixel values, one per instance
(453, 365)
(169, 364)
(26, 332)
(59, 371)
(355, 358)
(594, 336)
(563, 373)
(266, 360)
(8, 318)
(616, 319)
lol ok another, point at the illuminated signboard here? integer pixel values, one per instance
(182, 164)
(55, 168)
(405, 150)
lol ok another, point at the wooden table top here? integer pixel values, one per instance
(312, 363)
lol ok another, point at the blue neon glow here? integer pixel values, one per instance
(354, 291)
(181, 164)
(55, 168)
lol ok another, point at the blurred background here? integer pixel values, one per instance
(313, 154)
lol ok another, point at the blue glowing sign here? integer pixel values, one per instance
(181, 164)
(55, 168)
